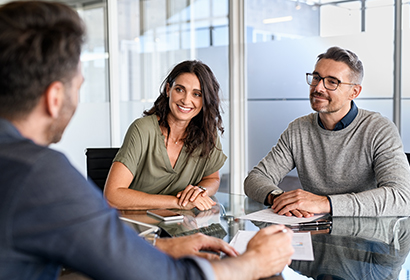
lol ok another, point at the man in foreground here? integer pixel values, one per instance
(350, 161)
(49, 214)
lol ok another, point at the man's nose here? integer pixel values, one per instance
(320, 85)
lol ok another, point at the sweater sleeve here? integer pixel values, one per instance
(391, 197)
(270, 171)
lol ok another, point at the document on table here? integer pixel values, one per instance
(267, 215)
(301, 242)
(289, 273)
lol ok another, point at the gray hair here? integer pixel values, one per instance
(348, 57)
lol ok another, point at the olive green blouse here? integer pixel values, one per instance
(145, 155)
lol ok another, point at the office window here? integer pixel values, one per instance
(92, 119)
(94, 55)
(405, 105)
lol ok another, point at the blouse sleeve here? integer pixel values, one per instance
(216, 159)
(131, 150)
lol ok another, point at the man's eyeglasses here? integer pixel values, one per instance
(329, 83)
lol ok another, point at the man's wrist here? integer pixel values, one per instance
(274, 194)
(330, 205)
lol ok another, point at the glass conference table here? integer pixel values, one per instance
(355, 248)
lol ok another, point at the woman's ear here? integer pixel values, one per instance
(167, 89)
(54, 98)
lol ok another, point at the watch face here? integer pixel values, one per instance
(277, 192)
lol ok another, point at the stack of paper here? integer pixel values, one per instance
(267, 215)
(301, 242)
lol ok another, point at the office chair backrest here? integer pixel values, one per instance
(99, 162)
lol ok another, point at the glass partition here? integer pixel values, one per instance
(90, 126)
(405, 105)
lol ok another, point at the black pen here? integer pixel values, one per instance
(312, 228)
(317, 223)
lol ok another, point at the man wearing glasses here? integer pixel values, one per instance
(350, 161)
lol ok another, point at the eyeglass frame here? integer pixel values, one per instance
(324, 84)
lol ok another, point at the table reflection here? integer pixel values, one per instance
(359, 248)
(194, 221)
(355, 248)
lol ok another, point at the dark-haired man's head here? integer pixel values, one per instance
(40, 47)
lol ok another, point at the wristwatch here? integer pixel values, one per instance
(275, 193)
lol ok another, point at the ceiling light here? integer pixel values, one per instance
(278, 19)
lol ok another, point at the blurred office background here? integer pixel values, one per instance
(259, 50)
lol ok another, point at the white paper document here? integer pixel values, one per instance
(289, 274)
(267, 215)
(301, 242)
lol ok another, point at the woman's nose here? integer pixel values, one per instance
(185, 98)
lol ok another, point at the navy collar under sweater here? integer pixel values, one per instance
(343, 123)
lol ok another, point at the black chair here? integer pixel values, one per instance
(99, 162)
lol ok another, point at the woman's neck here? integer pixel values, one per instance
(177, 130)
(175, 136)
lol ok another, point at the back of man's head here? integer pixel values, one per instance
(40, 43)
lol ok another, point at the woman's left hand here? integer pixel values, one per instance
(193, 193)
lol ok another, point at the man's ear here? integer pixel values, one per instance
(355, 91)
(54, 98)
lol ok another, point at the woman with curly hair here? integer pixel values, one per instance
(171, 157)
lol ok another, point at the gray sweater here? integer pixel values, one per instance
(362, 168)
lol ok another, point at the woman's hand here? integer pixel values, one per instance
(190, 193)
(194, 196)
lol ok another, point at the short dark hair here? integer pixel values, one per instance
(348, 57)
(203, 128)
(40, 43)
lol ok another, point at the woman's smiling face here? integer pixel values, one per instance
(185, 97)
